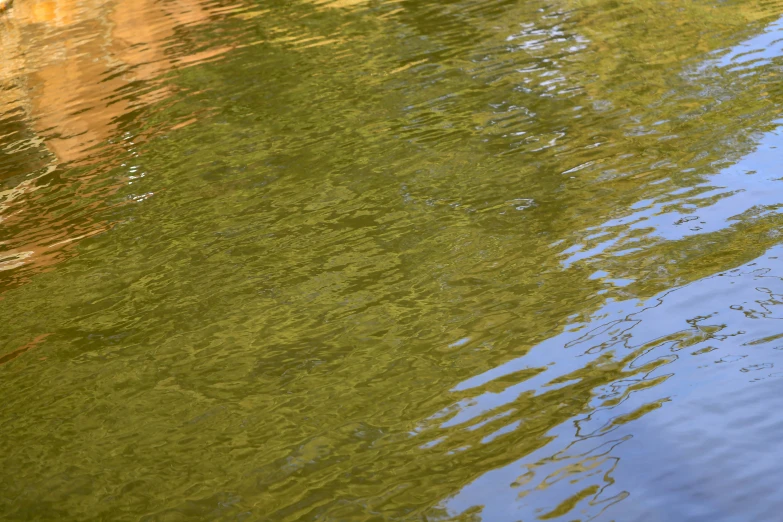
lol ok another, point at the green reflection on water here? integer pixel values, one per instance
(375, 203)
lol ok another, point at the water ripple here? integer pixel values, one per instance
(390, 260)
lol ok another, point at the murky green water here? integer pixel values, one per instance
(399, 260)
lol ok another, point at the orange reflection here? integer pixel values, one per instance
(19, 351)
(85, 52)
(75, 69)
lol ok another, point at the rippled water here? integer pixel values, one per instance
(373, 260)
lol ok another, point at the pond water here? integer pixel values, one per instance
(391, 260)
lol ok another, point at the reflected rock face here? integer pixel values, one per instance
(74, 73)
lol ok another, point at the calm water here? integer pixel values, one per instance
(391, 260)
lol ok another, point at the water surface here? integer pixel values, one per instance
(365, 260)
